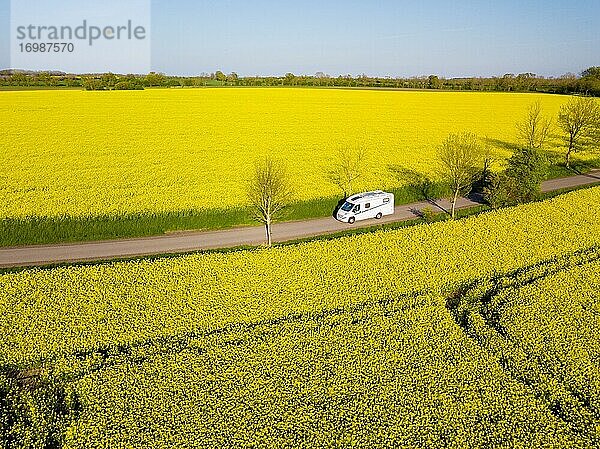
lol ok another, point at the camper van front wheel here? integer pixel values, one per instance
(351, 220)
(379, 215)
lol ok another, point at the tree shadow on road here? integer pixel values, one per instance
(337, 208)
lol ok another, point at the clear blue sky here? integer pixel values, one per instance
(385, 37)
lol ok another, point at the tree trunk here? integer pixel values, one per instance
(569, 151)
(453, 213)
(268, 229)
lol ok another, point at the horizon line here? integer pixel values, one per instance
(314, 75)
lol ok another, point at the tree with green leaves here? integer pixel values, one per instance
(591, 72)
(269, 193)
(460, 156)
(579, 121)
(290, 79)
(521, 181)
(433, 82)
(91, 83)
(155, 79)
(220, 76)
(233, 78)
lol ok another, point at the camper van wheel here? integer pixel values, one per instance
(379, 215)
(351, 220)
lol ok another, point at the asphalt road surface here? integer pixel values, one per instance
(183, 242)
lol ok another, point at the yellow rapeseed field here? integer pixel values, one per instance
(86, 154)
(355, 341)
(50, 312)
(557, 319)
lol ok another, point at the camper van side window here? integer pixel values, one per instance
(356, 208)
(386, 200)
(368, 206)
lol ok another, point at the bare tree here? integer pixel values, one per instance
(269, 193)
(460, 156)
(579, 120)
(347, 168)
(533, 130)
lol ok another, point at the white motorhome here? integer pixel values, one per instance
(366, 205)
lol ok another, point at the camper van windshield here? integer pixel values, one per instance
(347, 207)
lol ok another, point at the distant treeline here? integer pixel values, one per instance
(588, 82)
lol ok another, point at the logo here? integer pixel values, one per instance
(81, 36)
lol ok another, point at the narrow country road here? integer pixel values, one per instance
(230, 238)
